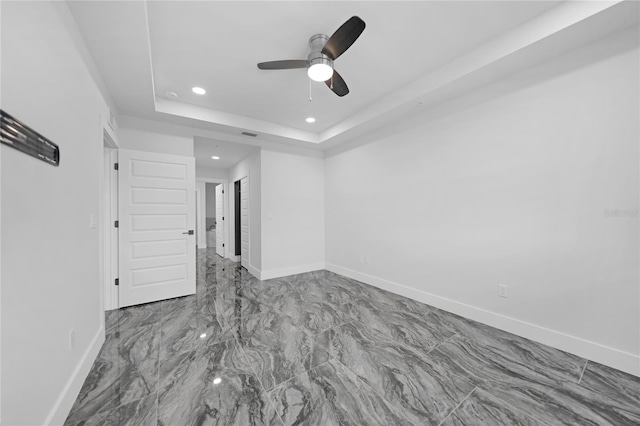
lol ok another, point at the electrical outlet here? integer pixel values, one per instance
(72, 339)
(366, 260)
(93, 220)
(502, 290)
(361, 258)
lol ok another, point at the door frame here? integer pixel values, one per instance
(200, 230)
(109, 213)
(237, 231)
(247, 264)
(203, 207)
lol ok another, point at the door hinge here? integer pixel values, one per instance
(222, 217)
(116, 224)
(222, 244)
(117, 281)
(115, 166)
(223, 191)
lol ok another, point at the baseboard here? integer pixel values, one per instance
(593, 351)
(293, 270)
(63, 404)
(233, 258)
(253, 271)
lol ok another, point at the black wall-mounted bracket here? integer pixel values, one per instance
(18, 135)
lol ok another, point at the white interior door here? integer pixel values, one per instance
(156, 194)
(220, 220)
(244, 222)
(199, 231)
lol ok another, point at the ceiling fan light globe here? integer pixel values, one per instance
(320, 72)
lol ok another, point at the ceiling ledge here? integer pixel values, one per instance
(235, 121)
(615, 44)
(561, 29)
(557, 31)
(181, 126)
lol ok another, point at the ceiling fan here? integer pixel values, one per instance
(324, 50)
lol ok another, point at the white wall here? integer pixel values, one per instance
(50, 256)
(292, 214)
(142, 139)
(513, 191)
(211, 200)
(250, 166)
(211, 173)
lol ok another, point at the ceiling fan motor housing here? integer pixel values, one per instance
(316, 43)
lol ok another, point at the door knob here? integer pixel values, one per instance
(189, 232)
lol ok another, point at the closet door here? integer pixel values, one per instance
(157, 212)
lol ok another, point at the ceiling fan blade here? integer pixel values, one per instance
(337, 85)
(344, 37)
(284, 65)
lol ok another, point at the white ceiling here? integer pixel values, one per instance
(217, 45)
(230, 153)
(411, 53)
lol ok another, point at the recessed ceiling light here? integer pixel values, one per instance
(199, 90)
(311, 120)
(215, 157)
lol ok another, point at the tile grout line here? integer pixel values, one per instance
(515, 408)
(390, 339)
(313, 336)
(298, 375)
(375, 392)
(264, 389)
(441, 343)
(404, 345)
(248, 361)
(331, 357)
(583, 370)
(458, 406)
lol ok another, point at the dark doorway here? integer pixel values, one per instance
(236, 202)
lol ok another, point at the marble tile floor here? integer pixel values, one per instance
(321, 349)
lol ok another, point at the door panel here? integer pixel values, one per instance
(244, 222)
(220, 223)
(156, 195)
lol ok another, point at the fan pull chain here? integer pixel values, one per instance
(310, 98)
(332, 81)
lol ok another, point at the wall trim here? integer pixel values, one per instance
(67, 397)
(593, 351)
(253, 271)
(108, 233)
(233, 258)
(292, 270)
